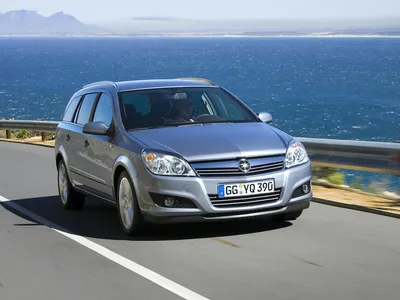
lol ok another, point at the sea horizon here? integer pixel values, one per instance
(184, 35)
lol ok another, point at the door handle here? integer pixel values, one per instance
(68, 137)
(86, 143)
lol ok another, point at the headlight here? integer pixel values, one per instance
(296, 154)
(163, 164)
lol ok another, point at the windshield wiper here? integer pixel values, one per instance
(188, 123)
(166, 126)
(148, 127)
(227, 122)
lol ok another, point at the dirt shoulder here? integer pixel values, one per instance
(357, 198)
(37, 140)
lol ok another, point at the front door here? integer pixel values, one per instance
(99, 150)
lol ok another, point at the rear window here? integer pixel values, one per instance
(70, 111)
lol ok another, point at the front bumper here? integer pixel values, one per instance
(197, 190)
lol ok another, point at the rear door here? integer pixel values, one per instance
(66, 129)
(79, 174)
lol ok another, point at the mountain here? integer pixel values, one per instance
(31, 22)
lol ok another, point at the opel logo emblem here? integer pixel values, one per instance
(244, 166)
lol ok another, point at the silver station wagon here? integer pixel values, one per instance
(177, 150)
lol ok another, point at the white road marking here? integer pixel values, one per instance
(124, 262)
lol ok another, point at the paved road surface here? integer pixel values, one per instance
(329, 253)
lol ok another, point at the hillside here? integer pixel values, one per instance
(31, 22)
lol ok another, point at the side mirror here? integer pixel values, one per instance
(98, 128)
(265, 117)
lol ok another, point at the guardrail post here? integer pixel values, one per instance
(8, 134)
(44, 137)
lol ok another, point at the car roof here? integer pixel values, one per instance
(122, 86)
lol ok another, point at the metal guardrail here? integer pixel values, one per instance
(41, 126)
(46, 126)
(377, 157)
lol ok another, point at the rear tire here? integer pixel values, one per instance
(129, 213)
(290, 216)
(70, 198)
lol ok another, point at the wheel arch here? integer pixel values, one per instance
(62, 155)
(123, 163)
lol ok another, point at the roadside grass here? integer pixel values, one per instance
(26, 134)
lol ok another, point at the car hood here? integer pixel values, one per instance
(216, 141)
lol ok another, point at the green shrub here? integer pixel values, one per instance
(372, 188)
(50, 136)
(375, 188)
(356, 184)
(336, 178)
(323, 172)
(23, 134)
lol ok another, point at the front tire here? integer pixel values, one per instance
(129, 212)
(70, 198)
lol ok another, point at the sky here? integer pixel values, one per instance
(105, 10)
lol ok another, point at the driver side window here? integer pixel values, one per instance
(229, 110)
(232, 112)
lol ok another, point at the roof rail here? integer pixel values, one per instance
(100, 82)
(198, 79)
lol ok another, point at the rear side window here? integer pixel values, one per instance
(70, 111)
(86, 109)
(104, 110)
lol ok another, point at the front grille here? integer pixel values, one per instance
(231, 168)
(246, 200)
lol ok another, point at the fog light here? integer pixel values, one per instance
(305, 188)
(169, 201)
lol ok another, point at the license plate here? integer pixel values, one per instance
(246, 189)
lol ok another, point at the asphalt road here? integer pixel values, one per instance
(329, 253)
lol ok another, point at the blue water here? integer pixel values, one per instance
(329, 88)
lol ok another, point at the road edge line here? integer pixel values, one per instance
(140, 270)
(355, 207)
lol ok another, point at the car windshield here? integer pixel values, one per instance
(152, 108)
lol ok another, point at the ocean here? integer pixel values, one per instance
(342, 88)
